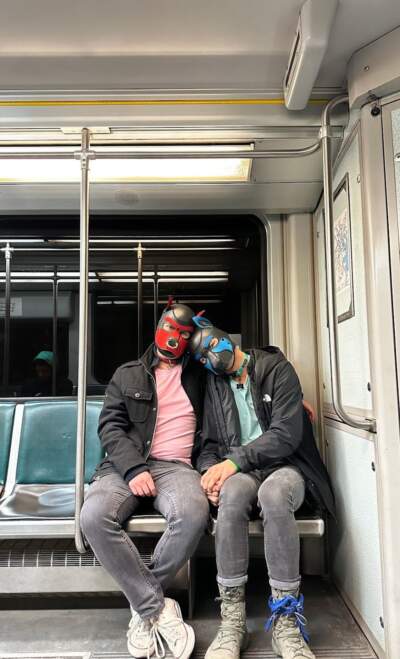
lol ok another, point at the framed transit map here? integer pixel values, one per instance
(343, 256)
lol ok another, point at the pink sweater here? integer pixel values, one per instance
(176, 420)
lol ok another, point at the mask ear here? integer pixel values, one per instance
(201, 322)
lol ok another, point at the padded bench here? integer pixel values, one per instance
(39, 494)
(37, 469)
(39, 497)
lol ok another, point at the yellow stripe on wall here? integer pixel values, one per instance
(186, 101)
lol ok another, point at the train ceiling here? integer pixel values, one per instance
(172, 44)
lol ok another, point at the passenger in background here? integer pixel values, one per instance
(258, 456)
(42, 383)
(149, 427)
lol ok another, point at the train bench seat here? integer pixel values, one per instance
(38, 498)
(37, 467)
(37, 472)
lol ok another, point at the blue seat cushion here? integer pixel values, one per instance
(48, 442)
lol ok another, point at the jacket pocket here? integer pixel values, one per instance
(138, 403)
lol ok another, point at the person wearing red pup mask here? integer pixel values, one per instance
(174, 330)
(149, 429)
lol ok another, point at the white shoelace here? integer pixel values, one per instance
(225, 637)
(156, 639)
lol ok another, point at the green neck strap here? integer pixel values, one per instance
(239, 371)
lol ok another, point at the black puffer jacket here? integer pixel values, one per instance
(287, 432)
(128, 418)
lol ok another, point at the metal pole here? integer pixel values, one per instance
(55, 312)
(140, 300)
(155, 299)
(7, 314)
(83, 331)
(326, 136)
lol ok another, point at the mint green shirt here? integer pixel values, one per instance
(249, 427)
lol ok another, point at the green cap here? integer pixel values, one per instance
(45, 356)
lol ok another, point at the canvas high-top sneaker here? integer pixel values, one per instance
(232, 635)
(289, 638)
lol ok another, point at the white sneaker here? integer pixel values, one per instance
(177, 634)
(140, 640)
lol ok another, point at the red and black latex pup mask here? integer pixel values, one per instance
(174, 330)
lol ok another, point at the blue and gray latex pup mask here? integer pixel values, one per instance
(211, 346)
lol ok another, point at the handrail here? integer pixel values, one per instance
(160, 155)
(80, 541)
(326, 136)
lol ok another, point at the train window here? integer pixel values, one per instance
(31, 357)
(205, 262)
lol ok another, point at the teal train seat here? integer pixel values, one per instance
(6, 425)
(41, 486)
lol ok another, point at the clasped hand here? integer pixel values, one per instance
(143, 485)
(214, 478)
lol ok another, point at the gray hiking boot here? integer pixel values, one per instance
(232, 635)
(289, 639)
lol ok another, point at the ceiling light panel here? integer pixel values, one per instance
(170, 169)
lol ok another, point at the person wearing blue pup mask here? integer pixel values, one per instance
(212, 347)
(258, 456)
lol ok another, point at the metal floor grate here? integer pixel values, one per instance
(59, 553)
(320, 653)
(46, 655)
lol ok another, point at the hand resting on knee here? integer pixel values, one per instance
(143, 485)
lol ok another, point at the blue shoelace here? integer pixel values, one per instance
(288, 606)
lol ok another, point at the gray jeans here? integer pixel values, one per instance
(110, 502)
(278, 497)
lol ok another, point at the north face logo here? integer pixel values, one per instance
(267, 398)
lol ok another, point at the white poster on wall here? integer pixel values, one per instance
(343, 253)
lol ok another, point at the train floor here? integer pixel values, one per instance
(94, 628)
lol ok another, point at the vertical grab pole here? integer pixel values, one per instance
(7, 314)
(140, 300)
(155, 299)
(82, 351)
(326, 136)
(55, 312)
